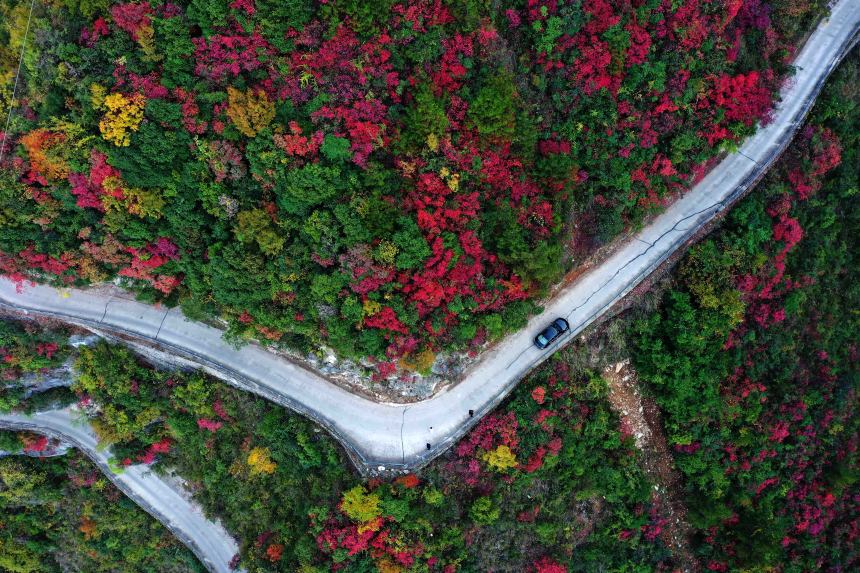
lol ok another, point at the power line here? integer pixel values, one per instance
(17, 77)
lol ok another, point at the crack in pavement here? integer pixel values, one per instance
(748, 157)
(402, 446)
(651, 245)
(638, 278)
(794, 124)
(161, 324)
(102, 319)
(741, 188)
(719, 205)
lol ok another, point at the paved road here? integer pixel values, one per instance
(162, 499)
(391, 437)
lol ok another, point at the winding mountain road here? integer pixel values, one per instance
(388, 438)
(209, 541)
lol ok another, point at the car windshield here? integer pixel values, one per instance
(542, 339)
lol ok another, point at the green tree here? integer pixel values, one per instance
(255, 226)
(335, 149)
(301, 189)
(493, 112)
(424, 118)
(484, 511)
(412, 249)
(174, 43)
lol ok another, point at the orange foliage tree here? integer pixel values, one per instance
(250, 111)
(42, 149)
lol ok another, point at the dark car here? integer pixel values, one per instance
(552, 332)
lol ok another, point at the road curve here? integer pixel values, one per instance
(399, 437)
(209, 541)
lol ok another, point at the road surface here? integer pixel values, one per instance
(390, 438)
(209, 541)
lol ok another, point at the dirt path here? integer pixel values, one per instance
(641, 418)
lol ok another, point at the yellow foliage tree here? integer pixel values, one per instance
(114, 425)
(139, 202)
(370, 307)
(250, 111)
(146, 40)
(386, 252)
(97, 95)
(260, 462)
(13, 25)
(386, 565)
(78, 141)
(6, 83)
(144, 202)
(122, 116)
(256, 226)
(432, 142)
(451, 179)
(500, 459)
(420, 361)
(18, 557)
(360, 505)
(16, 483)
(89, 270)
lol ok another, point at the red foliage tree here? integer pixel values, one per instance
(548, 565)
(132, 17)
(744, 97)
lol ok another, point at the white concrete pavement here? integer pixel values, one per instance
(396, 437)
(209, 541)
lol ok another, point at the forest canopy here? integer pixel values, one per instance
(384, 178)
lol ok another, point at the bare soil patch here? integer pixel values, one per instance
(641, 418)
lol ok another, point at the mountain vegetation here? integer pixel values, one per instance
(388, 180)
